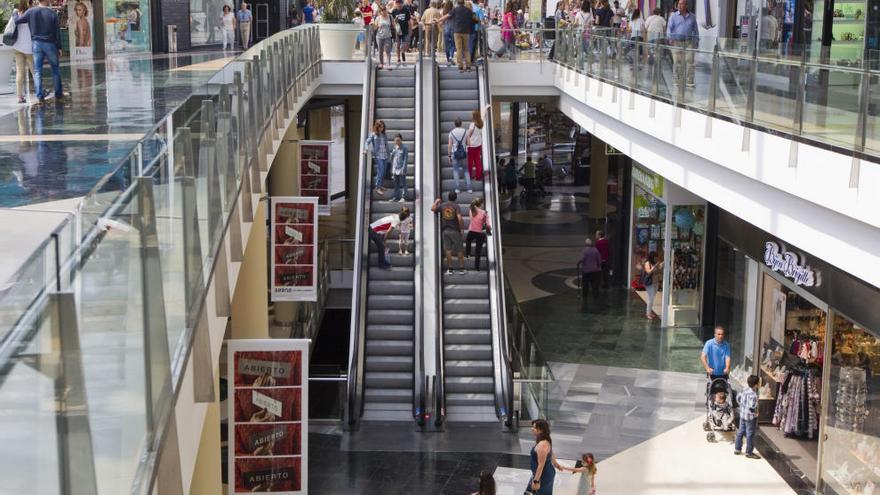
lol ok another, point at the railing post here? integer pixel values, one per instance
(76, 458)
(715, 78)
(682, 73)
(192, 245)
(861, 125)
(636, 69)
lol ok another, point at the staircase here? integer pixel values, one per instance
(467, 324)
(388, 379)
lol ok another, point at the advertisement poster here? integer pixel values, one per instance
(127, 26)
(294, 248)
(268, 434)
(80, 19)
(314, 173)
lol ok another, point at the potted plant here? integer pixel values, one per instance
(337, 31)
(7, 54)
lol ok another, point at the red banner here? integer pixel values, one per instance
(314, 173)
(294, 248)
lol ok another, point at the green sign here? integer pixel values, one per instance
(648, 180)
(610, 150)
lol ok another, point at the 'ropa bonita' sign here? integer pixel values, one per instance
(788, 264)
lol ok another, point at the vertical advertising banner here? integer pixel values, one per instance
(268, 411)
(80, 19)
(294, 248)
(314, 173)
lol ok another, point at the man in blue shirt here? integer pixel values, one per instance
(244, 17)
(46, 39)
(309, 13)
(716, 355)
(685, 35)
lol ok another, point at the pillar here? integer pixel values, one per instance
(319, 124)
(598, 179)
(250, 302)
(283, 181)
(207, 479)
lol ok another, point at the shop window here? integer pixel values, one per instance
(687, 233)
(730, 310)
(649, 223)
(851, 452)
(205, 21)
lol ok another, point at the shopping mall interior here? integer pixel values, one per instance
(225, 271)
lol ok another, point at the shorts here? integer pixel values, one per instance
(452, 241)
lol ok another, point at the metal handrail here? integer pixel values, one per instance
(418, 204)
(500, 347)
(354, 404)
(440, 385)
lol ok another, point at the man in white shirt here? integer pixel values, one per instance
(655, 25)
(379, 231)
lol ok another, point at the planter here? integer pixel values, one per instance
(337, 40)
(7, 60)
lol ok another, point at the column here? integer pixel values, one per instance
(207, 473)
(250, 303)
(598, 180)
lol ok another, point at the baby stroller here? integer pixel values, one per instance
(719, 413)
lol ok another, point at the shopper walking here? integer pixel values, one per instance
(474, 139)
(244, 18)
(543, 460)
(431, 26)
(379, 231)
(748, 418)
(227, 27)
(23, 51)
(604, 248)
(399, 156)
(508, 30)
(381, 150)
(382, 24)
(448, 40)
(510, 176)
(45, 34)
(402, 15)
(684, 33)
(650, 271)
(715, 357)
(590, 266)
(463, 20)
(478, 228)
(458, 156)
(636, 29)
(587, 470)
(451, 225)
(308, 12)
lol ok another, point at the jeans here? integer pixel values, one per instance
(381, 164)
(449, 43)
(746, 427)
(457, 166)
(590, 281)
(43, 50)
(379, 241)
(384, 49)
(399, 186)
(652, 293)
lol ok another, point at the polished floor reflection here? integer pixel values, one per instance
(61, 149)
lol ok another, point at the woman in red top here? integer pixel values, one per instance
(477, 230)
(366, 12)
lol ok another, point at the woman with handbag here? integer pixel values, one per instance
(22, 49)
(544, 463)
(649, 269)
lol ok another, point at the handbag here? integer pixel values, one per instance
(10, 34)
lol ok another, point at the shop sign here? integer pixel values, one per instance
(314, 173)
(294, 249)
(79, 27)
(268, 429)
(648, 180)
(611, 150)
(788, 264)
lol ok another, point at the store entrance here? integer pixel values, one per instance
(792, 345)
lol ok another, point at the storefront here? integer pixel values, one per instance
(671, 223)
(810, 332)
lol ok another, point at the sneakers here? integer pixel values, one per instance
(401, 200)
(753, 456)
(449, 271)
(470, 190)
(737, 452)
(457, 191)
(462, 271)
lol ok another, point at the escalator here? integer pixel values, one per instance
(384, 356)
(474, 368)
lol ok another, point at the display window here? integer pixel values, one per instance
(204, 21)
(127, 26)
(851, 451)
(687, 234)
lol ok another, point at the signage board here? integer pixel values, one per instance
(314, 173)
(294, 248)
(788, 264)
(649, 180)
(268, 431)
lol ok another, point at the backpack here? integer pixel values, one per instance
(459, 153)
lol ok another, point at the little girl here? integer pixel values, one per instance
(405, 228)
(587, 468)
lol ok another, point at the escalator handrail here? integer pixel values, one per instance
(500, 345)
(418, 205)
(354, 403)
(440, 389)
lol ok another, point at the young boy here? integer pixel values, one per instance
(748, 418)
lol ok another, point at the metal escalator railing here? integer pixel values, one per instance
(419, 385)
(500, 346)
(439, 385)
(354, 405)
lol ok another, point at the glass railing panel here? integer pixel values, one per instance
(872, 116)
(111, 327)
(776, 94)
(734, 83)
(30, 446)
(831, 108)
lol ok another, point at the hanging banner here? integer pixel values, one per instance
(268, 430)
(314, 173)
(80, 20)
(294, 248)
